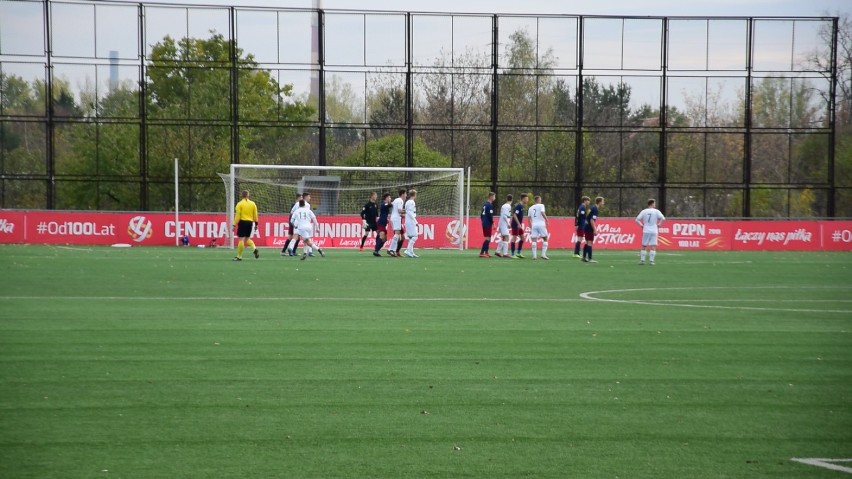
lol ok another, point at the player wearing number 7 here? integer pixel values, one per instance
(245, 220)
(538, 227)
(649, 219)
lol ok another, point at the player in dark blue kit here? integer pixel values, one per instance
(518, 225)
(580, 224)
(591, 229)
(382, 223)
(487, 218)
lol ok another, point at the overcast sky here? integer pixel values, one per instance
(586, 7)
(82, 31)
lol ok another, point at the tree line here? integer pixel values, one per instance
(98, 162)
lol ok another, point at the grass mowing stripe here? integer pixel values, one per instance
(177, 362)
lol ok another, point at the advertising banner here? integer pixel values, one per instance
(776, 235)
(159, 229)
(835, 235)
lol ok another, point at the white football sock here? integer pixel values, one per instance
(642, 255)
(544, 248)
(534, 246)
(652, 254)
(393, 242)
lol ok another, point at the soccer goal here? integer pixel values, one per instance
(338, 193)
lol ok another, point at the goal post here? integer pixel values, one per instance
(338, 194)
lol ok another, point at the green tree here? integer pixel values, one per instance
(23, 144)
(389, 150)
(189, 80)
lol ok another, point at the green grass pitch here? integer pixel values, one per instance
(179, 363)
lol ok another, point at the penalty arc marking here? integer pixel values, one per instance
(594, 296)
(825, 463)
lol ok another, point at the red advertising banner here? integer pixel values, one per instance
(776, 235)
(835, 235)
(104, 228)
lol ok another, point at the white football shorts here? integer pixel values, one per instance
(649, 239)
(396, 224)
(411, 229)
(504, 229)
(539, 231)
(306, 232)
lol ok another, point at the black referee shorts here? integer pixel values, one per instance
(244, 228)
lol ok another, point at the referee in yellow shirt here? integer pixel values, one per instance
(245, 219)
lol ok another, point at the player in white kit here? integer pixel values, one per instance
(649, 219)
(397, 212)
(411, 223)
(503, 226)
(538, 227)
(305, 220)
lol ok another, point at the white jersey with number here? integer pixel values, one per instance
(296, 207)
(536, 215)
(303, 217)
(538, 227)
(650, 218)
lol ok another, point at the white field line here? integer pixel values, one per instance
(590, 295)
(310, 298)
(73, 249)
(752, 300)
(825, 463)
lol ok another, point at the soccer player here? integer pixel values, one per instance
(382, 223)
(285, 250)
(538, 227)
(487, 218)
(518, 225)
(580, 223)
(245, 220)
(305, 221)
(397, 211)
(503, 228)
(411, 223)
(591, 229)
(649, 219)
(369, 213)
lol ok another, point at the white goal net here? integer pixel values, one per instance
(339, 193)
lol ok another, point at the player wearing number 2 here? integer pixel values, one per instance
(649, 219)
(538, 227)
